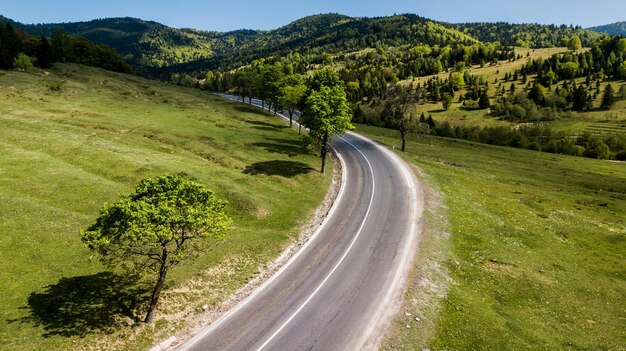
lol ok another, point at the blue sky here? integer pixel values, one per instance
(268, 14)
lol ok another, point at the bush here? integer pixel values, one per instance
(597, 149)
(23, 63)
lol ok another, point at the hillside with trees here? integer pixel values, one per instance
(157, 50)
(21, 51)
(617, 28)
(527, 35)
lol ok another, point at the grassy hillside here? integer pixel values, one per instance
(77, 137)
(524, 250)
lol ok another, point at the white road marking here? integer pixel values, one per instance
(244, 303)
(319, 287)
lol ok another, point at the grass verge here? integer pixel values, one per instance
(76, 137)
(536, 254)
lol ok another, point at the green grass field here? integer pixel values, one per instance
(77, 137)
(523, 250)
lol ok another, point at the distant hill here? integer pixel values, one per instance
(530, 34)
(617, 28)
(154, 49)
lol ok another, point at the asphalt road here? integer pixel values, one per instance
(341, 289)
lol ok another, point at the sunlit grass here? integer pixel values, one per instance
(537, 250)
(77, 137)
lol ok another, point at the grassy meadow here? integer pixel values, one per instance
(522, 250)
(76, 137)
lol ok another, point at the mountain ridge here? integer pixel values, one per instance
(153, 48)
(617, 28)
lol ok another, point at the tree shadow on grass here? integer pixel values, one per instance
(246, 108)
(290, 150)
(287, 169)
(266, 126)
(79, 306)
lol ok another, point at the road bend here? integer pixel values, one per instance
(341, 289)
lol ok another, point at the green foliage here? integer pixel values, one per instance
(45, 56)
(23, 62)
(621, 71)
(532, 35)
(291, 94)
(597, 148)
(446, 101)
(574, 43)
(165, 221)
(10, 46)
(568, 70)
(608, 98)
(326, 111)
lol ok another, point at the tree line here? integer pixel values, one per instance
(21, 51)
(540, 138)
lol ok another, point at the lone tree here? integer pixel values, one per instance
(398, 100)
(326, 111)
(163, 222)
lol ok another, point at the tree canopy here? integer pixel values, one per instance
(163, 222)
(326, 111)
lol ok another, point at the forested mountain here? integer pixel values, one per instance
(618, 28)
(528, 35)
(154, 49)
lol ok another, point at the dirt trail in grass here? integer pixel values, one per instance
(196, 322)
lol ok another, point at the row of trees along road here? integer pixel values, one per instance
(321, 98)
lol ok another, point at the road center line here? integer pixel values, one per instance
(319, 287)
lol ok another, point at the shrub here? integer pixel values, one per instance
(23, 63)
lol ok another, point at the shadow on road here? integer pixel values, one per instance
(78, 306)
(287, 169)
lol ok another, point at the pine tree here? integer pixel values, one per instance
(44, 53)
(10, 46)
(580, 99)
(483, 101)
(608, 99)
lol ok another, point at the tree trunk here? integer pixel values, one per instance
(262, 104)
(243, 98)
(250, 99)
(300, 129)
(324, 151)
(157, 289)
(290, 117)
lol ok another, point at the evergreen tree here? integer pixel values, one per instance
(10, 46)
(61, 45)
(608, 99)
(44, 53)
(483, 101)
(580, 98)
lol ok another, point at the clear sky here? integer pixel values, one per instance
(269, 14)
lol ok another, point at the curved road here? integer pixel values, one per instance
(342, 288)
